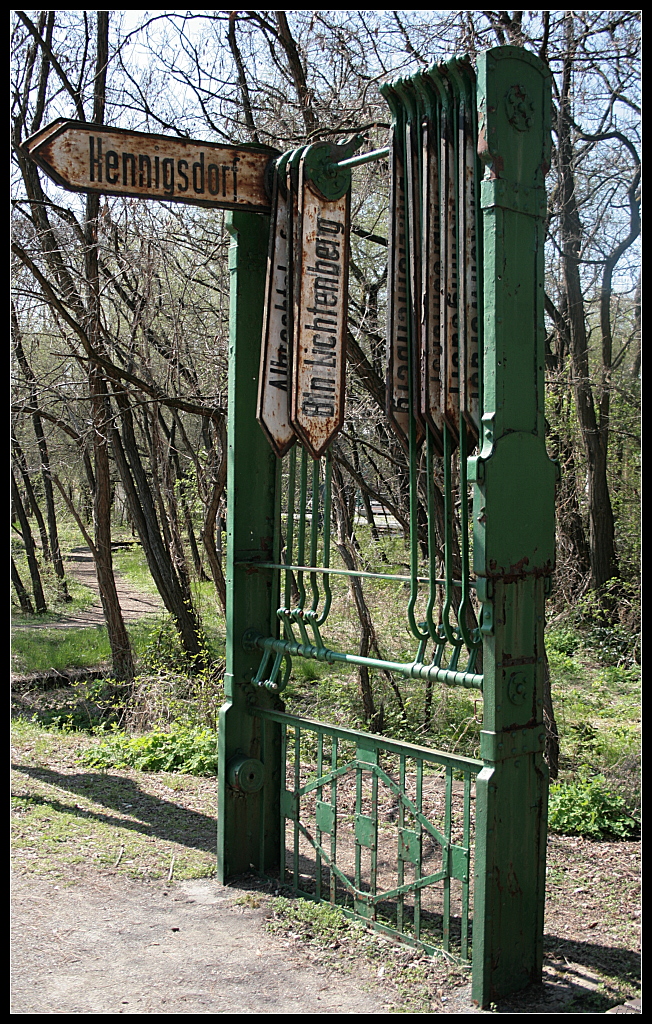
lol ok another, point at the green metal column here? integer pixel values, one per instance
(513, 526)
(249, 772)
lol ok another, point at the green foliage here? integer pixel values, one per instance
(320, 923)
(587, 807)
(190, 751)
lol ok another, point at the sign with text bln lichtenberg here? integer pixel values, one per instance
(84, 157)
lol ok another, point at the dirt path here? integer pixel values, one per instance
(134, 604)
(127, 947)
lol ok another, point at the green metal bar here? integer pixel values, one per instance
(412, 670)
(318, 796)
(392, 577)
(448, 819)
(465, 603)
(314, 532)
(464, 936)
(400, 871)
(328, 596)
(363, 158)
(373, 867)
(358, 846)
(449, 514)
(282, 827)
(432, 543)
(418, 875)
(301, 533)
(297, 786)
(289, 544)
(436, 757)
(333, 879)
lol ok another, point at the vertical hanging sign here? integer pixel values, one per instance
(274, 382)
(319, 352)
(449, 319)
(431, 347)
(469, 364)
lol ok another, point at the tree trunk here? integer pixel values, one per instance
(123, 665)
(23, 596)
(604, 562)
(30, 549)
(143, 511)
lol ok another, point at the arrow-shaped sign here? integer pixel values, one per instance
(93, 158)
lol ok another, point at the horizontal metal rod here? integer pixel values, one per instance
(363, 158)
(392, 577)
(469, 765)
(412, 670)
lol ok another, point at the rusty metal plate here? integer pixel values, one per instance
(431, 347)
(318, 370)
(398, 311)
(93, 158)
(449, 281)
(273, 411)
(413, 195)
(469, 358)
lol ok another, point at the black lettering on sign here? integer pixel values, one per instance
(128, 164)
(112, 164)
(144, 166)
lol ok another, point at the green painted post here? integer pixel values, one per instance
(249, 768)
(513, 526)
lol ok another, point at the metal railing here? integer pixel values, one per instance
(382, 829)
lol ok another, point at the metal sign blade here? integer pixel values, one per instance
(399, 410)
(272, 411)
(431, 347)
(449, 275)
(413, 194)
(84, 157)
(319, 356)
(469, 309)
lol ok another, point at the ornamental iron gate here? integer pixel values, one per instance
(386, 829)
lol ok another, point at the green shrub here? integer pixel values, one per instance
(185, 750)
(589, 808)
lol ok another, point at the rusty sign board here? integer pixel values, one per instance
(275, 357)
(84, 157)
(468, 279)
(398, 386)
(318, 372)
(431, 347)
(399, 311)
(450, 397)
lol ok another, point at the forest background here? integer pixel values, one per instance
(120, 322)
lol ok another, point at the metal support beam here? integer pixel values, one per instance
(249, 777)
(513, 526)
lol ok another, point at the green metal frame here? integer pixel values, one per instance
(513, 556)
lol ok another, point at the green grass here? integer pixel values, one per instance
(44, 649)
(69, 818)
(597, 708)
(56, 649)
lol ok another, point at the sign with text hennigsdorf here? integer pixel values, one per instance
(84, 157)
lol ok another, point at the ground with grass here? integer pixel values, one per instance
(116, 911)
(115, 904)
